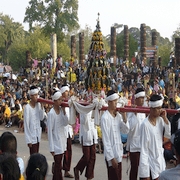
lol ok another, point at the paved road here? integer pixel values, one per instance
(100, 172)
(23, 152)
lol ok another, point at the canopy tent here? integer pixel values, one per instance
(5, 69)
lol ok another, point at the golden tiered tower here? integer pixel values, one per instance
(98, 71)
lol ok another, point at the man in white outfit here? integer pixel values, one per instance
(69, 134)
(112, 125)
(133, 141)
(33, 114)
(88, 138)
(57, 120)
(153, 128)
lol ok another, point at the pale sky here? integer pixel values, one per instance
(162, 15)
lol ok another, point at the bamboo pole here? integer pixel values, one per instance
(121, 109)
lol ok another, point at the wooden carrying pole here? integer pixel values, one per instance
(121, 109)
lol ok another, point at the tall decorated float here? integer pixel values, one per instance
(98, 70)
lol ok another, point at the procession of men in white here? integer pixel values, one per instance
(144, 138)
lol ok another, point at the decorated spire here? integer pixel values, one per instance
(97, 72)
(98, 28)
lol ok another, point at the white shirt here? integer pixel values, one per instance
(151, 156)
(21, 164)
(32, 118)
(68, 129)
(88, 132)
(111, 128)
(133, 140)
(56, 134)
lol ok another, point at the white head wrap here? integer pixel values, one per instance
(155, 104)
(139, 94)
(34, 91)
(56, 96)
(64, 88)
(112, 97)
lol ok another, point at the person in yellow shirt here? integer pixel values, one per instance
(7, 115)
(71, 76)
(177, 98)
(16, 115)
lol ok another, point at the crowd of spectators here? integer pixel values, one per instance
(125, 78)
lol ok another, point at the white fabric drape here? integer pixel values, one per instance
(74, 106)
(95, 106)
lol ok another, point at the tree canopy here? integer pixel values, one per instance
(54, 16)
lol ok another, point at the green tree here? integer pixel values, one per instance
(17, 56)
(9, 31)
(164, 52)
(54, 16)
(64, 50)
(37, 43)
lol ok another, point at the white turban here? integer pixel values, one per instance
(56, 96)
(34, 91)
(64, 88)
(155, 104)
(112, 97)
(139, 94)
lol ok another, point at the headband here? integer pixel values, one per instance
(34, 91)
(112, 97)
(64, 88)
(139, 94)
(154, 104)
(56, 96)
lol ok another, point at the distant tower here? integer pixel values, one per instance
(143, 41)
(81, 47)
(113, 43)
(126, 42)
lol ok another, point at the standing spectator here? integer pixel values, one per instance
(33, 114)
(153, 128)
(57, 120)
(112, 125)
(161, 82)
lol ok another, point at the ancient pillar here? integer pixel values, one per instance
(126, 42)
(54, 49)
(81, 48)
(154, 44)
(143, 42)
(28, 59)
(73, 46)
(113, 44)
(177, 52)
